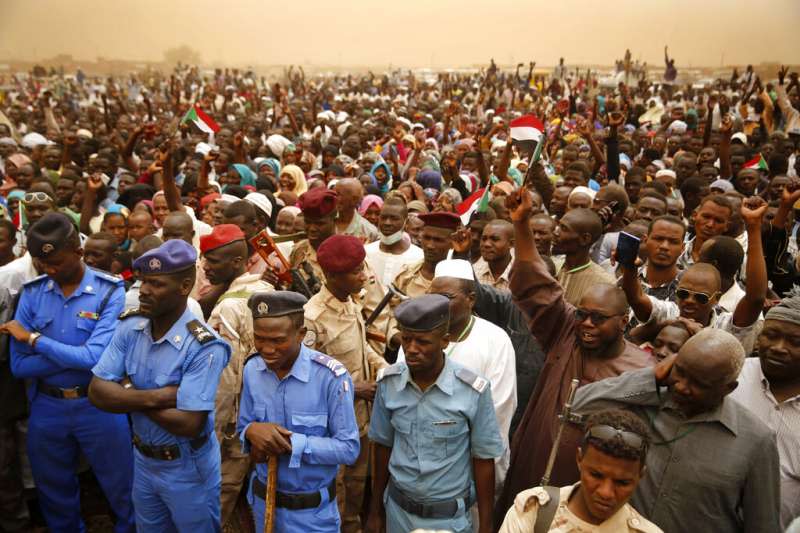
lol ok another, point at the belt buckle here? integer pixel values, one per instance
(70, 394)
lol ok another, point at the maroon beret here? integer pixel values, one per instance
(220, 236)
(318, 202)
(340, 253)
(441, 219)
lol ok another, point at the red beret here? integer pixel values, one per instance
(318, 202)
(441, 219)
(220, 236)
(340, 253)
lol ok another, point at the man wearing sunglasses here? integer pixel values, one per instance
(611, 461)
(584, 341)
(699, 289)
(713, 465)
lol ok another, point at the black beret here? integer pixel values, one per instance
(276, 303)
(423, 313)
(49, 234)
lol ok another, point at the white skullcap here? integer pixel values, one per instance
(666, 172)
(659, 164)
(32, 140)
(580, 189)
(277, 144)
(454, 268)
(260, 201)
(202, 148)
(738, 136)
(229, 198)
(84, 133)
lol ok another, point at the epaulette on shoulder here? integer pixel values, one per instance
(200, 332)
(249, 357)
(472, 379)
(393, 370)
(105, 276)
(133, 311)
(35, 281)
(330, 363)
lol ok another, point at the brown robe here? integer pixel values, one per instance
(552, 321)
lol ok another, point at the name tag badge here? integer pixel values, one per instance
(444, 423)
(88, 314)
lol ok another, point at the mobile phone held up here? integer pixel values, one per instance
(627, 249)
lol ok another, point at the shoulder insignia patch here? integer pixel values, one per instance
(332, 364)
(310, 339)
(35, 280)
(200, 332)
(472, 379)
(392, 370)
(111, 278)
(133, 311)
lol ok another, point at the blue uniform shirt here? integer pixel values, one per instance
(178, 358)
(315, 402)
(434, 434)
(75, 330)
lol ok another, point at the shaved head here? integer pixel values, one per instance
(585, 221)
(501, 225)
(611, 295)
(717, 350)
(703, 273)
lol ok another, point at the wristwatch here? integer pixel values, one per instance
(33, 338)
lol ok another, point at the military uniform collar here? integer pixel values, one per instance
(301, 369)
(445, 382)
(332, 301)
(88, 284)
(176, 335)
(243, 281)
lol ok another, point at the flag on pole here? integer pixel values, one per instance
(526, 132)
(477, 201)
(757, 163)
(196, 116)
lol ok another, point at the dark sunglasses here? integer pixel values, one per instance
(596, 318)
(610, 433)
(701, 297)
(36, 197)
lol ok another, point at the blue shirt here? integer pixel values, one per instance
(315, 402)
(178, 358)
(434, 434)
(75, 330)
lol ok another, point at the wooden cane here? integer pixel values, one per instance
(269, 496)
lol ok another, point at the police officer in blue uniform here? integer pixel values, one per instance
(435, 432)
(64, 320)
(297, 404)
(163, 367)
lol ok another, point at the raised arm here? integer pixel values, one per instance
(171, 192)
(640, 304)
(749, 307)
(93, 186)
(725, 129)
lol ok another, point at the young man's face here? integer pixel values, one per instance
(607, 482)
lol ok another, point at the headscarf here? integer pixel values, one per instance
(516, 175)
(387, 185)
(296, 173)
(368, 201)
(271, 162)
(119, 209)
(246, 176)
(430, 179)
(789, 308)
(293, 209)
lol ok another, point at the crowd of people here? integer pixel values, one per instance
(365, 299)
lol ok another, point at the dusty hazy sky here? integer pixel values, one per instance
(424, 33)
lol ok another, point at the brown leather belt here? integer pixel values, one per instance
(166, 452)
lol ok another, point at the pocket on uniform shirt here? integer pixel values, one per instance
(402, 439)
(86, 324)
(314, 424)
(164, 379)
(41, 322)
(447, 436)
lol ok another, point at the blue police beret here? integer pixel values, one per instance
(49, 234)
(172, 256)
(276, 303)
(423, 313)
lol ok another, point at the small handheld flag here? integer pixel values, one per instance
(196, 116)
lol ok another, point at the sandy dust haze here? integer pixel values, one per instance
(418, 33)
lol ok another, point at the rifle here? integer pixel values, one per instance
(390, 293)
(265, 245)
(564, 418)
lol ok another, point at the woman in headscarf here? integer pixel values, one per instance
(115, 222)
(293, 180)
(269, 168)
(13, 199)
(370, 208)
(382, 175)
(238, 174)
